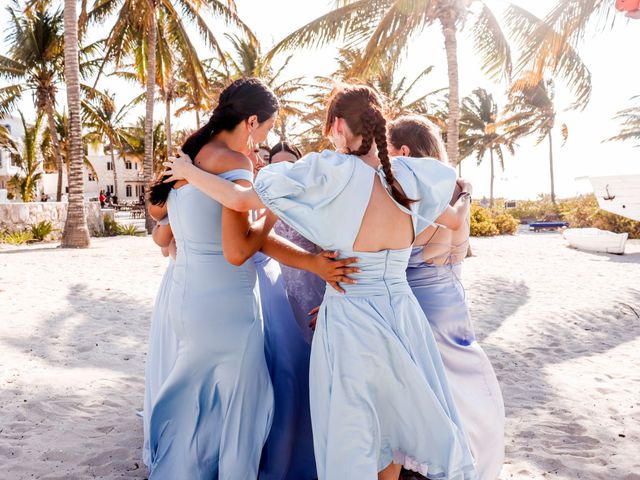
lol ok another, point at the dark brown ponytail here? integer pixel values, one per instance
(360, 106)
(240, 100)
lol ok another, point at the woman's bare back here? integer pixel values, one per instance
(384, 226)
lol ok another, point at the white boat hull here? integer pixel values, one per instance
(596, 240)
(618, 194)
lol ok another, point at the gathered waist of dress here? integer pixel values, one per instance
(381, 273)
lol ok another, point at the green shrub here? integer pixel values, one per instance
(485, 223)
(130, 230)
(41, 230)
(17, 237)
(531, 210)
(505, 223)
(111, 227)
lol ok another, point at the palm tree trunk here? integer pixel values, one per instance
(115, 172)
(448, 20)
(167, 126)
(553, 189)
(76, 233)
(197, 118)
(492, 177)
(51, 119)
(148, 120)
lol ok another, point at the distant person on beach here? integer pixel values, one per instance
(434, 273)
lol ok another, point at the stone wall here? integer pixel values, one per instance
(21, 216)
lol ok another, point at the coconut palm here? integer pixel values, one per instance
(25, 157)
(548, 46)
(105, 122)
(390, 24)
(63, 134)
(245, 59)
(630, 119)
(531, 110)
(75, 233)
(134, 143)
(135, 32)
(34, 64)
(482, 133)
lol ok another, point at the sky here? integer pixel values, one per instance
(615, 69)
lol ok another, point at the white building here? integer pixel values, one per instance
(130, 184)
(128, 171)
(7, 168)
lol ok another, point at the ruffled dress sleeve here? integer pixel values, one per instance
(428, 181)
(323, 196)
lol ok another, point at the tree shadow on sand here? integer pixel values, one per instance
(574, 334)
(110, 321)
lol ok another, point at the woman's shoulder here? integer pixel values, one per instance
(219, 159)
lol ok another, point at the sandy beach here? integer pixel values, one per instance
(561, 326)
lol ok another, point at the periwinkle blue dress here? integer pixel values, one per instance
(288, 453)
(213, 413)
(304, 289)
(472, 380)
(161, 352)
(378, 387)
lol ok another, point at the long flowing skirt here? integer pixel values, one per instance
(288, 453)
(471, 377)
(161, 354)
(214, 411)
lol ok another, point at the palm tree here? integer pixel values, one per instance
(246, 60)
(135, 31)
(548, 47)
(390, 24)
(531, 109)
(481, 131)
(48, 154)
(75, 233)
(134, 143)
(630, 119)
(26, 158)
(34, 64)
(105, 122)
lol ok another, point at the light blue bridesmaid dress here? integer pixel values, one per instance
(378, 387)
(213, 413)
(161, 353)
(288, 453)
(471, 377)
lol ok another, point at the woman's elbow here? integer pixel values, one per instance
(235, 258)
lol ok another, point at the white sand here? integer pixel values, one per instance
(559, 325)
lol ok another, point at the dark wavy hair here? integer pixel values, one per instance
(285, 146)
(239, 101)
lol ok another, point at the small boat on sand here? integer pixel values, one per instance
(596, 240)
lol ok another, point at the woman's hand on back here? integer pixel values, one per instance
(334, 271)
(177, 168)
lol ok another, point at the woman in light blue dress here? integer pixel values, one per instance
(379, 394)
(213, 413)
(163, 344)
(434, 273)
